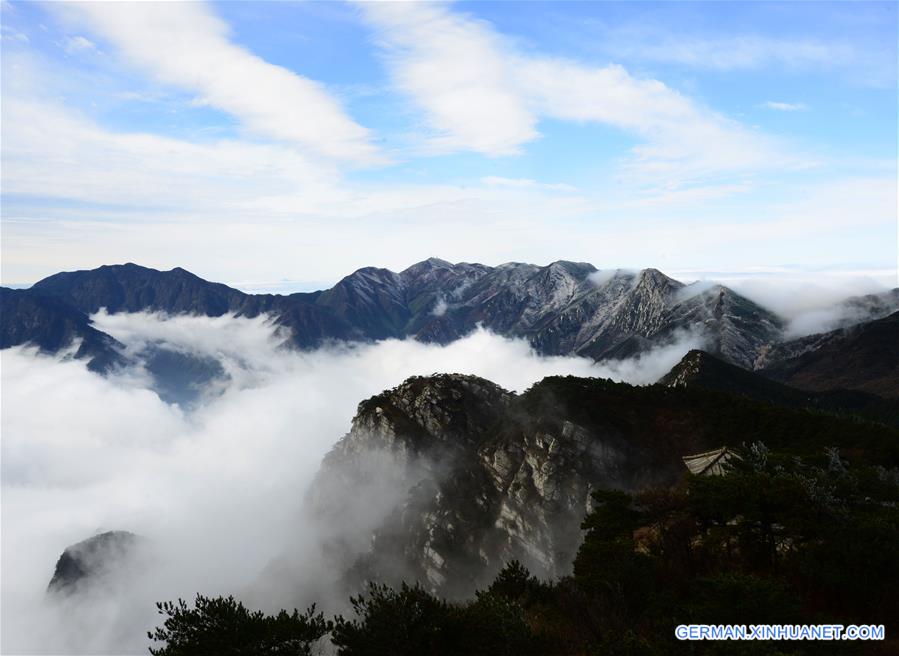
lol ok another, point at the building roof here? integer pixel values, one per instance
(710, 463)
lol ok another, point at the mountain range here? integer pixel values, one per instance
(564, 308)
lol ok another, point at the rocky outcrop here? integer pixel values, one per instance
(98, 560)
(477, 476)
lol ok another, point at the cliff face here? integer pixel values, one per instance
(478, 476)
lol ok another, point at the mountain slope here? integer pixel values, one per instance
(863, 357)
(701, 369)
(30, 317)
(133, 288)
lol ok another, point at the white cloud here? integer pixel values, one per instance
(186, 45)
(76, 44)
(480, 93)
(8, 33)
(734, 52)
(682, 141)
(453, 67)
(51, 152)
(868, 61)
(233, 211)
(785, 106)
(525, 183)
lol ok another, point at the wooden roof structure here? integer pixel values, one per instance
(710, 463)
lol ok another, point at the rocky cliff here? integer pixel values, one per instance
(481, 477)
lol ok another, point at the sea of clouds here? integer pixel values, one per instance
(218, 488)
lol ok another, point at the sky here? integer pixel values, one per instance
(280, 146)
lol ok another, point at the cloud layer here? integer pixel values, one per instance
(219, 489)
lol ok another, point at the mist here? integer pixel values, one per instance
(809, 303)
(218, 487)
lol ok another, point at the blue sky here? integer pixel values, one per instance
(276, 145)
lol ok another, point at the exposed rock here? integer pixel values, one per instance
(110, 555)
(480, 478)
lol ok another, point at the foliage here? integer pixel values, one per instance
(413, 621)
(224, 626)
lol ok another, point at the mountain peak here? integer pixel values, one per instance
(426, 266)
(656, 279)
(695, 365)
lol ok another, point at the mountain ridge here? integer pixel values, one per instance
(862, 357)
(700, 369)
(563, 308)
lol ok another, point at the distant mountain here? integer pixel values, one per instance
(700, 369)
(859, 309)
(571, 308)
(28, 316)
(96, 560)
(445, 478)
(133, 288)
(863, 357)
(564, 308)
